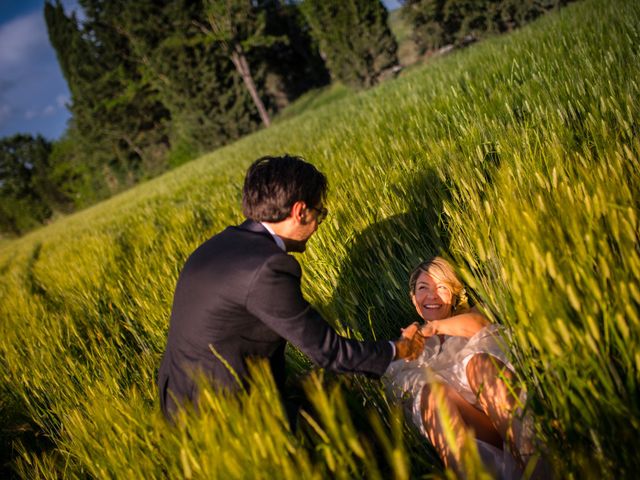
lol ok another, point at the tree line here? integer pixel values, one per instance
(155, 83)
(438, 23)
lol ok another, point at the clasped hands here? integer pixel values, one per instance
(411, 342)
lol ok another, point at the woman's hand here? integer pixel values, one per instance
(429, 329)
(462, 325)
(410, 330)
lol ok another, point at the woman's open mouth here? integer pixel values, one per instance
(431, 306)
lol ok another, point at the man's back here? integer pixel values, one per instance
(240, 295)
(209, 311)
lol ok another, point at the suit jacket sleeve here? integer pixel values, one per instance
(275, 297)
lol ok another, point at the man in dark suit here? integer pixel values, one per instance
(239, 295)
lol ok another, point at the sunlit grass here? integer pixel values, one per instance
(517, 158)
(315, 99)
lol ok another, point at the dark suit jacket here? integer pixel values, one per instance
(240, 294)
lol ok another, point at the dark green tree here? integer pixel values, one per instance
(115, 108)
(237, 27)
(194, 78)
(430, 31)
(25, 190)
(146, 78)
(354, 39)
(515, 13)
(193, 72)
(437, 23)
(293, 65)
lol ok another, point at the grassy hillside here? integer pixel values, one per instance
(517, 157)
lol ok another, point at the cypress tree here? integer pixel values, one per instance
(194, 78)
(115, 109)
(354, 39)
(293, 65)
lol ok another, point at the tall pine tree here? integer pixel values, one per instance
(195, 81)
(116, 110)
(193, 71)
(427, 17)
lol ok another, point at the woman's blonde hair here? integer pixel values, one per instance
(442, 271)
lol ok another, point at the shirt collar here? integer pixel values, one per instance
(276, 238)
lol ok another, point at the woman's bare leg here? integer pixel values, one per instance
(477, 420)
(463, 417)
(434, 397)
(497, 390)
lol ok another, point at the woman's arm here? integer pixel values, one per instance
(463, 325)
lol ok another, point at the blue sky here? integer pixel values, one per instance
(33, 92)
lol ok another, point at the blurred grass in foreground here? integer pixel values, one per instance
(518, 158)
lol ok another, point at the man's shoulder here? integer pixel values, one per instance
(246, 232)
(238, 244)
(282, 262)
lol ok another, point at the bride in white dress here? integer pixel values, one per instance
(464, 367)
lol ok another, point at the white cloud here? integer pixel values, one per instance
(32, 89)
(45, 112)
(22, 39)
(62, 100)
(72, 6)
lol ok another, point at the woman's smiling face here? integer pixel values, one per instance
(432, 298)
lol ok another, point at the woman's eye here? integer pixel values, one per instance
(442, 287)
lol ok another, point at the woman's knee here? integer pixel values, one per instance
(484, 368)
(427, 400)
(477, 370)
(438, 395)
(438, 399)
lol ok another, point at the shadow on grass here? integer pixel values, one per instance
(18, 434)
(372, 294)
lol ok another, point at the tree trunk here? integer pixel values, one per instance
(240, 61)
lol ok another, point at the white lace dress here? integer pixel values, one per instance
(446, 362)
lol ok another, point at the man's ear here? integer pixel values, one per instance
(299, 211)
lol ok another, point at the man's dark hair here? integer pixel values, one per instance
(274, 184)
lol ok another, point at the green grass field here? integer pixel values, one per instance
(517, 158)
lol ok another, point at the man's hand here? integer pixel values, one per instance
(410, 345)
